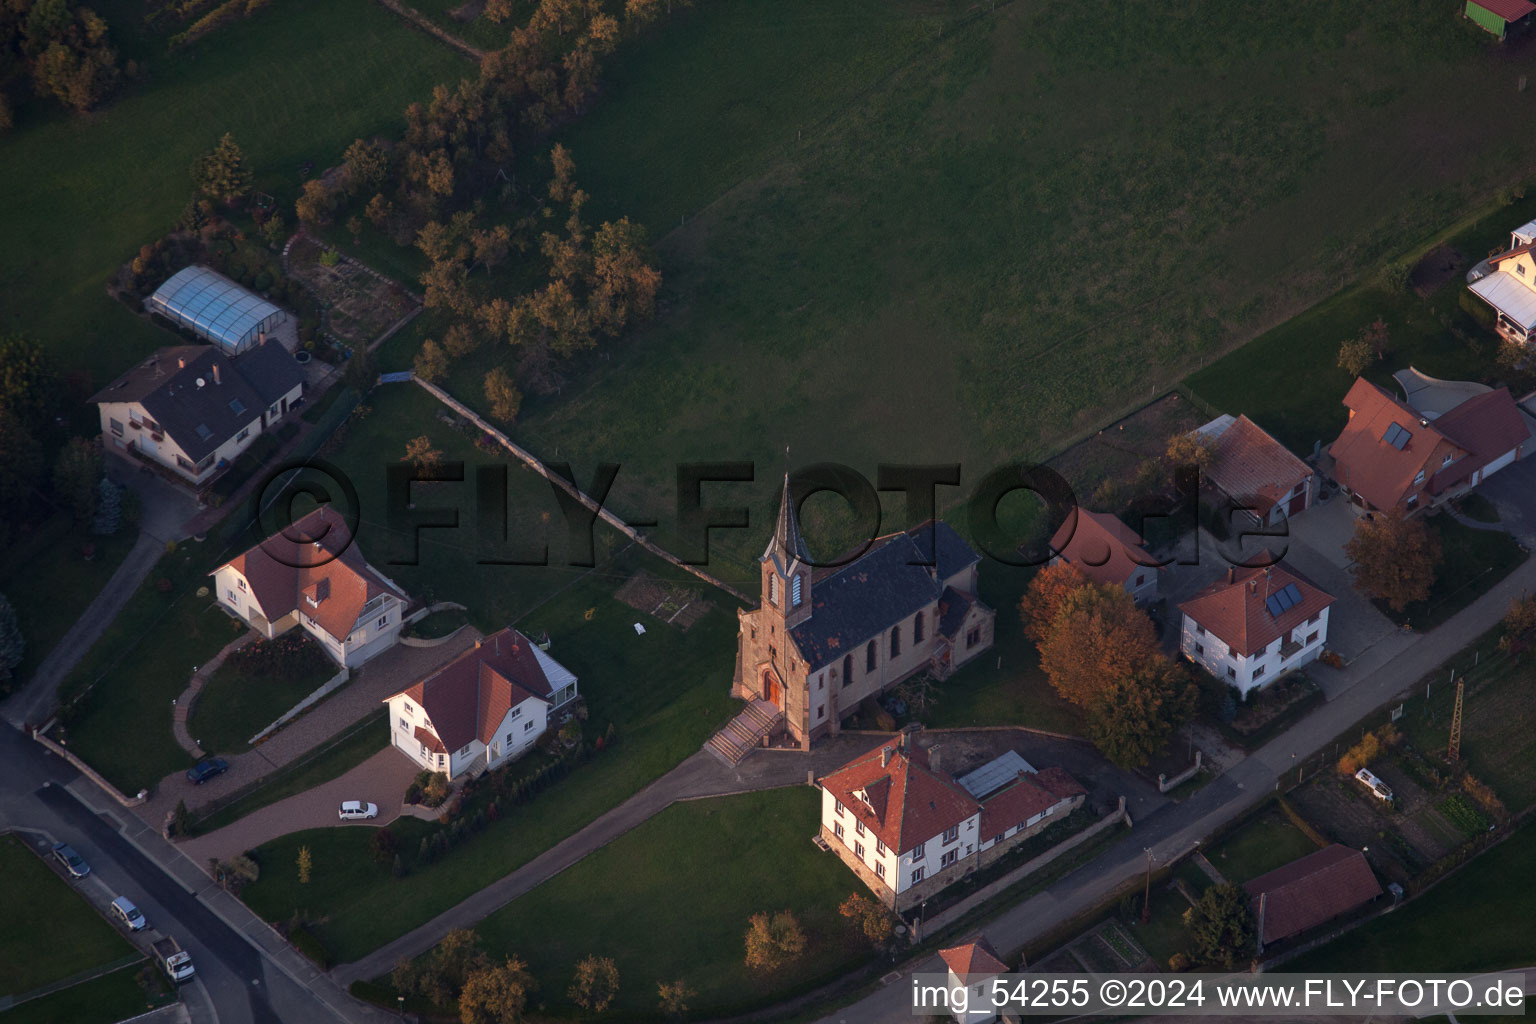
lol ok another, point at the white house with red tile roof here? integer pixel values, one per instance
(972, 966)
(1256, 471)
(312, 574)
(908, 829)
(1107, 552)
(1252, 626)
(482, 709)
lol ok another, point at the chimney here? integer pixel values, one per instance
(216, 374)
(1253, 586)
(885, 756)
(181, 362)
(478, 643)
(1231, 574)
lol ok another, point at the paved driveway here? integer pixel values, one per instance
(1513, 492)
(381, 780)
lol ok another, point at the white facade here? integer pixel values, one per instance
(376, 630)
(515, 735)
(978, 1002)
(901, 870)
(126, 425)
(1247, 673)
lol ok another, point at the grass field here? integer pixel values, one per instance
(1266, 842)
(1089, 205)
(1471, 562)
(699, 895)
(1487, 907)
(104, 1000)
(50, 583)
(238, 702)
(63, 935)
(296, 83)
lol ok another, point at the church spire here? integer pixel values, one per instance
(787, 546)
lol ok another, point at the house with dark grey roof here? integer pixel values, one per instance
(823, 639)
(482, 709)
(193, 409)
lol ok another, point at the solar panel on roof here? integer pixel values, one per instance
(1283, 600)
(237, 406)
(995, 774)
(1396, 436)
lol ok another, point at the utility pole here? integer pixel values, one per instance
(1453, 751)
(1146, 898)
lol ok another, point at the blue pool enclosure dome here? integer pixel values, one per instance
(216, 308)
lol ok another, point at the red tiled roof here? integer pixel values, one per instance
(909, 803)
(1317, 888)
(1059, 783)
(973, 960)
(1253, 468)
(428, 739)
(1025, 797)
(1377, 471)
(1494, 5)
(1233, 608)
(299, 568)
(1105, 549)
(467, 698)
(1487, 425)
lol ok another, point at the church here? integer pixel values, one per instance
(824, 639)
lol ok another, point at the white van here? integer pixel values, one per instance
(124, 910)
(1380, 790)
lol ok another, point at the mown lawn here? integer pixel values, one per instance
(62, 935)
(240, 700)
(671, 900)
(665, 693)
(1482, 918)
(50, 582)
(296, 82)
(1472, 561)
(125, 684)
(1267, 841)
(111, 997)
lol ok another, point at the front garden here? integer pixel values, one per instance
(256, 684)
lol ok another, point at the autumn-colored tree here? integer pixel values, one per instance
(431, 363)
(496, 995)
(378, 210)
(1377, 338)
(596, 983)
(460, 340)
(504, 398)
(623, 283)
(306, 864)
(673, 998)
(316, 203)
(444, 973)
(367, 167)
(1360, 755)
(1135, 717)
(1191, 449)
(869, 916)
(1045, 595)
(1355, 355)
(222, 173)
(1519, 626)
(71, 56)
(77, 477)
(1098, 639)
(420, 453)
(773, 941)
(355, 229)
(1395, 558)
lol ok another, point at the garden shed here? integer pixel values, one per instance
(215, 308)
(1498, 15)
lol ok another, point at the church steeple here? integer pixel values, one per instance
(786, 564)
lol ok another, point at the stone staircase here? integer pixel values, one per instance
(478, 766)
(744, 732)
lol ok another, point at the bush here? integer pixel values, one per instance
(1179, 962)
(304, 940)
(1476, 308)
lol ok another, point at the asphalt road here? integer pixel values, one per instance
(234, 984)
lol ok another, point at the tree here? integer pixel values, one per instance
(460, 340)
(1519, 626)
(1394, 558)
(773, 941)
(596, 984)
(316, 203)
(431, 362)
(673, 998)
(306, 864)
(441, 975)
(1354, 356)
(869, 916)
(1377, 338)
(502, 394)
(382, 846)
(274, 230)
(28, 383)
(1134, 718)
(76, 474)
(367, 166)
(362, 372)
(496, 995)
(355, 229)
(13, 646)
(222, 173)
(109, 508)
(1222, 926)
(181, 819)
(1191, 449)
(379, 210)
(420, 453)
(1045, 595)
(1098, 639)
(623, 285)
(21, 464)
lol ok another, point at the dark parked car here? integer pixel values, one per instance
(894, 704)
(72, 861)
(205, 770)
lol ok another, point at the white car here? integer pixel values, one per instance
(356, 810)
(124, 910)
